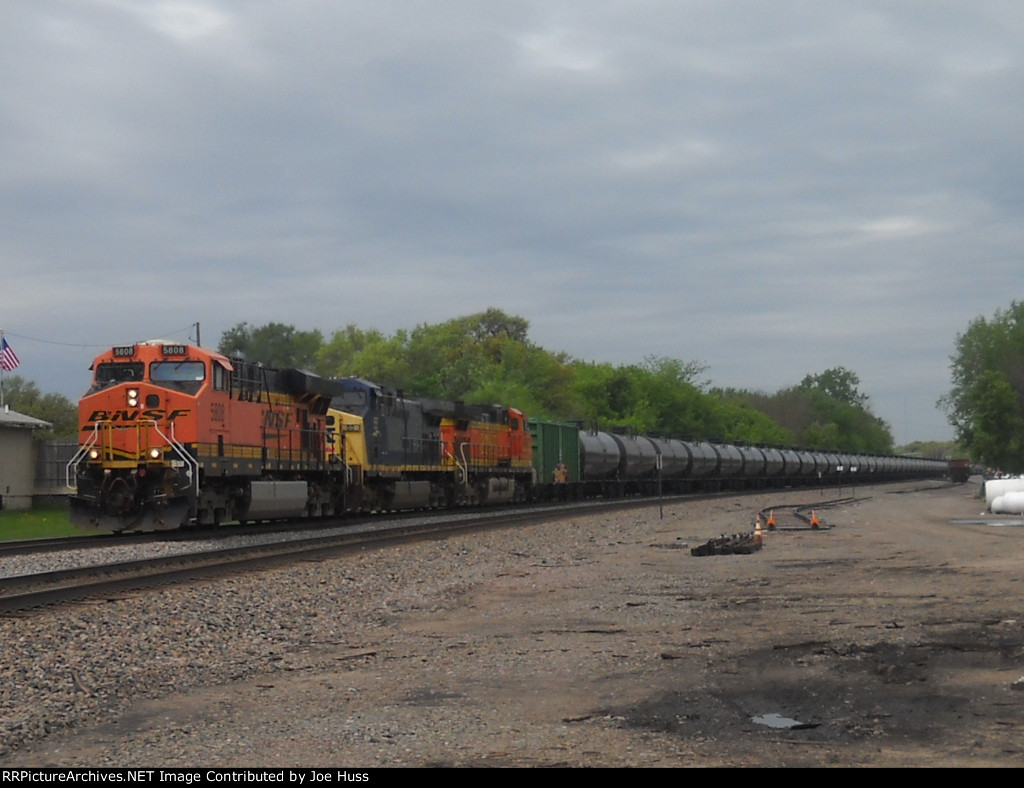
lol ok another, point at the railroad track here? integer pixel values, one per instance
(57, 544)
(804, 516)
(108, 540)
(29, 591)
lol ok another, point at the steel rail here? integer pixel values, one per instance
(25, 592)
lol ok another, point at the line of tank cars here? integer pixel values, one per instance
(175, 435)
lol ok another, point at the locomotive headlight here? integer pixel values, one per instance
(133, 398)
(154, 454)
(94, 454)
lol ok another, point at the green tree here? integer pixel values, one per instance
(837, 383)
(675, 372)
(463, 357)
(352, 352)
(537, 382)
(25, 397)
(826, 411)
(273, 344)
(986, 404)
(661, 396)
(495, 324)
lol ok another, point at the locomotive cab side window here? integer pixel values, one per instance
(221, 377)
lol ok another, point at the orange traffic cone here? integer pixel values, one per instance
(815, 523)
(757, 530)
(771, 520)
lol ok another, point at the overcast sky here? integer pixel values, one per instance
(772, 189)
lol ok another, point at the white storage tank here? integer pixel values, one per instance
(1009, 503)
(996, 487)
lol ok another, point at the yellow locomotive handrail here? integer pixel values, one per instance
(181, 451)
(192, 464)
(82, 450)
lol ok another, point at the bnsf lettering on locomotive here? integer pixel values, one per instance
(151, 414)
(277, 420)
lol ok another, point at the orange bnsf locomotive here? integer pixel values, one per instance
(174, 435)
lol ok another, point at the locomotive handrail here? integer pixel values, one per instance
(462, 465)
(182, 452)
(481, 454)
(73, 462)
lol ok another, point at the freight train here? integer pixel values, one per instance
(175, 435)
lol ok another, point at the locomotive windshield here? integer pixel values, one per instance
(351, 401)
(118, 372)
(185, 376)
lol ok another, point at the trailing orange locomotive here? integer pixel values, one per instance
(173, 435)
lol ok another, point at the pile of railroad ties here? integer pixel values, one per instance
(745, 543)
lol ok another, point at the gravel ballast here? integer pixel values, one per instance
(595, 641)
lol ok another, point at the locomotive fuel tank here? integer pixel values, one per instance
(274, 500)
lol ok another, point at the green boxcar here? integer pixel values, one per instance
(555, 443)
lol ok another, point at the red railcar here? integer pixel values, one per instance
(959, 470)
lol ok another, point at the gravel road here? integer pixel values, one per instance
(893, 636)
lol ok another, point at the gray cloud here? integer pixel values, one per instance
(772, 189)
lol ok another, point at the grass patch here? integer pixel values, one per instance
(36, 524)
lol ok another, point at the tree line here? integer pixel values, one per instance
(488, 357)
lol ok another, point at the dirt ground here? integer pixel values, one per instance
(893, 636)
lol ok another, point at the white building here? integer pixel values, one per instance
(17, 458)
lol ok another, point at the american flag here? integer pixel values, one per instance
(8, 358)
